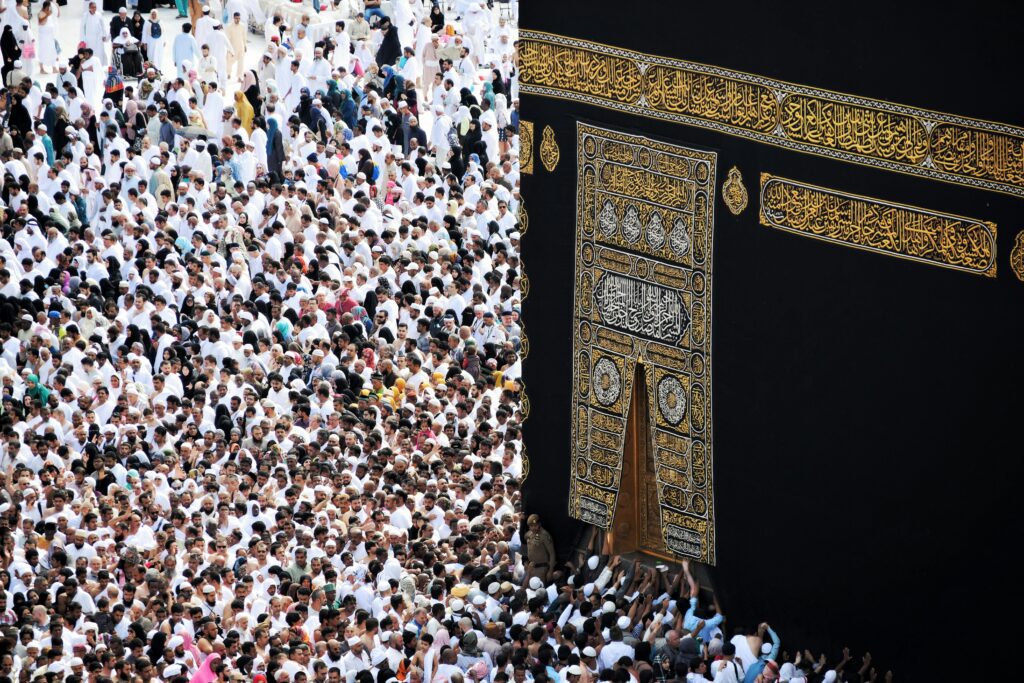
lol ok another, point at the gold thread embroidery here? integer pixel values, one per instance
(644, 211)
(1017, 256)
(549, 153)
(526, 147)
(734, 193)
(908, 232)
(895, 137)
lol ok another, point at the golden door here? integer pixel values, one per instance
(637, 525)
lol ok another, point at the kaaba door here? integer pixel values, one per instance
(637, 525)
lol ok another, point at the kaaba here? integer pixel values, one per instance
(774, 267)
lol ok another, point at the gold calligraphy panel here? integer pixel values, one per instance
(644, 213)
(1017, 256)
(894, 137)
(899, 230)
(525, 146)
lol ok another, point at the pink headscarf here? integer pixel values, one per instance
(190, 646)
(441, 639)
(205, 673)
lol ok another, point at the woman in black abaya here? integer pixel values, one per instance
(10, 50)
(20, 121)
(390, 48)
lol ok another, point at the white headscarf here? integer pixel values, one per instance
(125, 38)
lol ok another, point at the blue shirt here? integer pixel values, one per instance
(690, 621)
(185, 47)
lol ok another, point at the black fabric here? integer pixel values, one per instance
(866, 408)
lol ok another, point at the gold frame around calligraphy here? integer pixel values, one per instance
(525, 147)
(642, 294)
(1017, 256)
(894, 137)
(880, 226)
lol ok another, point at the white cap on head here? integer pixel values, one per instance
(608, 607)
(623, 622)
(592, 560)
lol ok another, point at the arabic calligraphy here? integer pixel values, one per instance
(549, 149)
(525, 146)
(876, 225)
(1017, 256)
(734, 193)
(640, 307)
(978, 153)
(859, 130)
(602, 75)
(643, 295)
(727, 100)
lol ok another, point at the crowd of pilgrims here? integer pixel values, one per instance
(260, 365)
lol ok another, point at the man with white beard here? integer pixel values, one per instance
(319, 72)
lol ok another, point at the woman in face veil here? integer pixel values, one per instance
(9, 47)
(471, 140)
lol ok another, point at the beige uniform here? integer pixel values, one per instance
(236, 38)
(540, 551)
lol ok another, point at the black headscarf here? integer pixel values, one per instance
(390, 48)
(10, 49)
